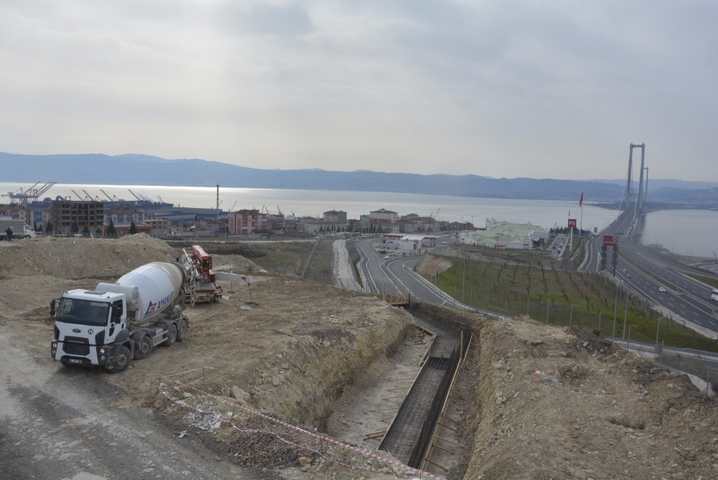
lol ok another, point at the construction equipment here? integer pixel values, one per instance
(118, 322)
(30, 194)
(202, 286)
(79, 197)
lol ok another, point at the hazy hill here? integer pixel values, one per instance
(150, 170)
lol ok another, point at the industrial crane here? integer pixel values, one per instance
(30, 194)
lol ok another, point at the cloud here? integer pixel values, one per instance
(515, 88)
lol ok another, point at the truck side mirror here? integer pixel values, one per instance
(53, 307)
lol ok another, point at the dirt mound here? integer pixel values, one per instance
(74, 258)
(581, 409)
(235, 264)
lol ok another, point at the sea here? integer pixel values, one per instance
(545, 213)
(686, 232)
(696, 235)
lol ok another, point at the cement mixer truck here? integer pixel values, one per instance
(118, 322)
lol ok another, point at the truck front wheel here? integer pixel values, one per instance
(119, 360)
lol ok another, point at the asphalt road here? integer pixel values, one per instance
(371, 266)
(647, 273)
(58, 423)
(396, 275)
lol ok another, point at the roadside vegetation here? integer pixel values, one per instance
(562, 297)
(712, 281)
(288, 258)
(318, 264)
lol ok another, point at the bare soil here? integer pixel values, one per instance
(279, 345)
(365, 411)
(554, 405)
(76, 258)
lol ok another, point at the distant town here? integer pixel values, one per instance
(86, 215)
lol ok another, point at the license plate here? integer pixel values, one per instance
(75, 361)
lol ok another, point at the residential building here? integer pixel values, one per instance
(416, 244)
(338, 217)
(123, 214)
(14, 211)
(413, 223)
(75, 216)
(383, 216)
(246, 222)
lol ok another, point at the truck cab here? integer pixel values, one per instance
(714, 295)
(87, 325)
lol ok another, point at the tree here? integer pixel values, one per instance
(85, 231)
(75, 229)
(9, 233)
(111, 231)
(133, 228)
(49, 227)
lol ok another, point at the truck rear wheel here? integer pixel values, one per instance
(171, 333)
(119, 360)
(181, 329)
(143, 347)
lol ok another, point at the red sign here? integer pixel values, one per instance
(571, 223)
(610, 240)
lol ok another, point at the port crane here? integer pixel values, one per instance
(30, 194)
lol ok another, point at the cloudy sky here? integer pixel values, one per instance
(503, 88)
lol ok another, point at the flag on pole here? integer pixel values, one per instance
(580, 201)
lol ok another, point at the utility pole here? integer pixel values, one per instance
(625, 314)
(615, 312)
(217, 200)
(463, 282)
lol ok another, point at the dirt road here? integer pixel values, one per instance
(342, 267)
(59, 423)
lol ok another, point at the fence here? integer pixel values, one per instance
(626, 318)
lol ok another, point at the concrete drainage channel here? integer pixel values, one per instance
(409, 436)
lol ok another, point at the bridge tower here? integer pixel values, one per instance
(641, 185)
(630, 171)
(638, 201)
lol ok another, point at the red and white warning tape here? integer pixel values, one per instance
(365, 452)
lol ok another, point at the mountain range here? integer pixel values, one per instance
(135, 169)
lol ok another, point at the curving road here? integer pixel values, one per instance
(398, 276)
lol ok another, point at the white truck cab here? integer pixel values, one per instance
(714, 295)
(85, 322)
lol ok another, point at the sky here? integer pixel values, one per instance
(503, 88)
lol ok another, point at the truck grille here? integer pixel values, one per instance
(76, 346)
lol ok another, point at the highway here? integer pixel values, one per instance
(659, 280)
(372, 270)
(397, 275)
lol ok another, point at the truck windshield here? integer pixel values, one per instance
(84, 312)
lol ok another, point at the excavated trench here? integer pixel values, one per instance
(397, 404)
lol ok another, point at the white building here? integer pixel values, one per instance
(392, 241)
(416, 244)
(383, 215)
(505, 235)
